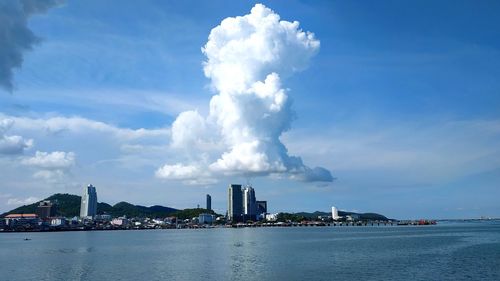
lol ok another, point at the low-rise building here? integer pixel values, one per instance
(58, 222)
(353, 217)
(206, 219)
(158, 222)
(171, 220)
(103, 217)
(120, 222)
(271, 217)
(21, 219)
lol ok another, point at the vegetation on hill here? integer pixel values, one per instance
(362, 216)
(192, 213)
(68, 205)
(284, 217)
(312, 215)
(129, 210)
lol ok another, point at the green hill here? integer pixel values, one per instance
(362, 216)
(129, 210)
(68, 205)
(191, 213)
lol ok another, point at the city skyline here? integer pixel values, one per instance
(367, 115)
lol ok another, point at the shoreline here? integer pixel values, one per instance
(269, 225)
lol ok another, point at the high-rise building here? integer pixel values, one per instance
(209, 202)
(249, 203)
(335, 213)
(88, 208)
(235, 203)
(46, 209)
(261, 207)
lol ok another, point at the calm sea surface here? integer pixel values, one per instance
(449, 251)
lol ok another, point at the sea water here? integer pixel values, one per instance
(447, 251)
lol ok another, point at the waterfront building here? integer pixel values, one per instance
(261, 207)
(88, 208)
(171, 220)
(249, 204)
(103, 217)
(353, 217)
(235, 203)
(335, 213)
(271, 217)
(206, 219)
(159, 222)
(120, 222)
(21, 219)
(58, 222)
(46, 209)
(209, 202)
(243, 205)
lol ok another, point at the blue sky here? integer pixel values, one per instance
(401, 104)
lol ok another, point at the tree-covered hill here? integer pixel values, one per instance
(192, 213)
(129, 210)
(68, 205)
(362, 216)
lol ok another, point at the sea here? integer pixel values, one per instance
(447, 251)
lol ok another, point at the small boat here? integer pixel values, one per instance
(27, 239)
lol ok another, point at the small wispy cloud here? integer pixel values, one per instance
(22, 201)
(404, 154)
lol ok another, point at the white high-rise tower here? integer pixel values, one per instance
(335, 213)
(249, 203)
(88, 208)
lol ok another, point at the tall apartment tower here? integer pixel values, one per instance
(335, 213)
(235, 203)
(88, 208)
(249, 203)
(209, 202)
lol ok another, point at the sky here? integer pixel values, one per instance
(384, 106)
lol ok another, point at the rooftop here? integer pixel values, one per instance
(20, 216)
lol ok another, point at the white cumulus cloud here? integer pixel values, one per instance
(12, 144)
(246, 58)
(51, 167)
(53, 161)
(178, 171)
(188, 174)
